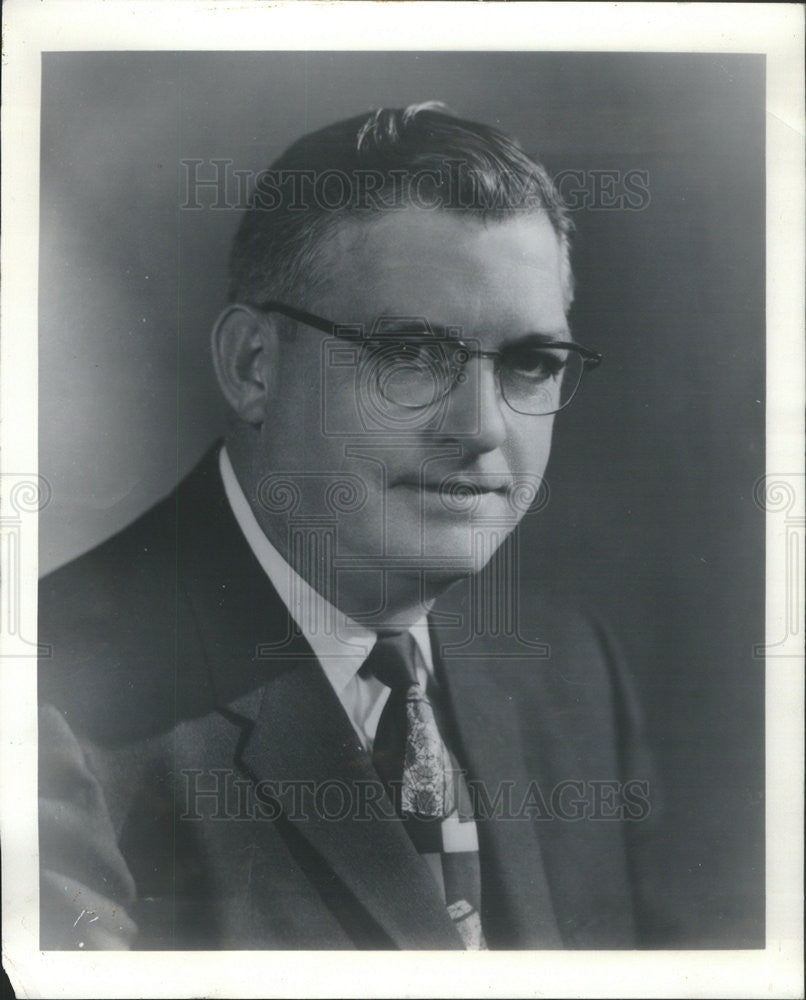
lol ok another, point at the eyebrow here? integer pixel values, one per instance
(542, 338)
(538, 338)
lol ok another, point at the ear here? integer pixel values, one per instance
(245, 356)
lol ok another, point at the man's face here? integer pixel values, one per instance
(440, 488)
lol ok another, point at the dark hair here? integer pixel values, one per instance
(380, 162)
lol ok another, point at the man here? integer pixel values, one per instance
(304, 702)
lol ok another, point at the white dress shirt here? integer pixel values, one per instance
(341, 645)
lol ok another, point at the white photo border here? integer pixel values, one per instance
(140, 25)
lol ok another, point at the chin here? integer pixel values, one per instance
(450, 552)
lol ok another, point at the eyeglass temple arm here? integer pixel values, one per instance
(300, 315)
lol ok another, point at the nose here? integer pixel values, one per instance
(476, 414)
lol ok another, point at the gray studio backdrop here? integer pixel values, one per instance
(651, 513)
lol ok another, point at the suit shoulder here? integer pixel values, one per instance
(571, 629)
(585, 652)
(120, 633)
(546, 629)
(106, 595)
(138, 546)
(138, 566)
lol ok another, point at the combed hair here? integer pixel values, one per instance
(384, 161)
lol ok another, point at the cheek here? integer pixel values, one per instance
(529, 445)
(295, 425)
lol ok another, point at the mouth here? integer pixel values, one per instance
(451, 486)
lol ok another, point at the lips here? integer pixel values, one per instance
(450, 485)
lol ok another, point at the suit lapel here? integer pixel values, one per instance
(303, 745)
(517, 909)
(291, 730)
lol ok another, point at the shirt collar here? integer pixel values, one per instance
(340, 644)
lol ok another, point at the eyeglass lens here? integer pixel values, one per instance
(534, 380)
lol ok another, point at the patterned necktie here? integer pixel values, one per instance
(425, 783)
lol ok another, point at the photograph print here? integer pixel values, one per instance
(402, 574)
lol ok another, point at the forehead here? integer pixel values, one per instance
(450, 268)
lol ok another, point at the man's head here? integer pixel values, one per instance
(362, 168)
(400, 224)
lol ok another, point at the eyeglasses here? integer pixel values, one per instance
(414, 365)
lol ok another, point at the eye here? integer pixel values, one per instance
(410, 349)
(535, 362)
(415, 350)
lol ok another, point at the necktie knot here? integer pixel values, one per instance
(393, 660)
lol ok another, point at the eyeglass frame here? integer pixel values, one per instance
(590, 359)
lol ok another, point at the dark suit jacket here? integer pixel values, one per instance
(158, 683)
